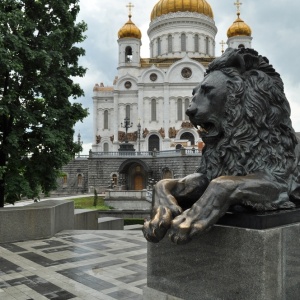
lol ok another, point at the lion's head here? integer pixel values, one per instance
(244, 115)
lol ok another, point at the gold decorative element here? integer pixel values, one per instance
(239, 27)
(238, 5)
(164, 7)
(129, 30)
(131, 136)
(98, 139)
(162, 132)
(222, 43)
(187, 125)
(172, 132)
(145, 132)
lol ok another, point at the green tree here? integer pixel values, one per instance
(38, 58)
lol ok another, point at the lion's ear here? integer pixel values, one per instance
(236, 61)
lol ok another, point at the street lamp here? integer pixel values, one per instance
(139, 136)
(127, 125)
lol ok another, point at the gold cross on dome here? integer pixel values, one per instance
(222, 43)
(130, 6)
(238, 5)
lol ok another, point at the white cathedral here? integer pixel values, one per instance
(149, 96)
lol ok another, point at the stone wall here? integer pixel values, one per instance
(97, 171)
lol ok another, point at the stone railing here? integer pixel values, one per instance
(165, 153)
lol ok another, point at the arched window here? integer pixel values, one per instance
(206, 45)
(65, 180)
(188, 136)
(153, 143)
(128, 54)
(196, 43)
(115, 179)
(79, 180)
(153, 110)
(105, 147)
(170, 46)
(158, 46)
(105, 121)
(127, 112)
(241, 46)
(167, 174)
(186, 105)
(183, 42)
(179, 109)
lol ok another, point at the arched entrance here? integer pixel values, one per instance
(153, 142)
(188, 136)
(135, 173)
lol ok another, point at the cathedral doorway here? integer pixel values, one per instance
(188, 136)
(134, 173)
(153, 142)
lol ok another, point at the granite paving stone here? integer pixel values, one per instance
(77, 265)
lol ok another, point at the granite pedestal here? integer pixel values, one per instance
(227, 263)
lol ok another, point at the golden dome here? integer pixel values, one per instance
(129, 30)
(239, 28)
(164, 7)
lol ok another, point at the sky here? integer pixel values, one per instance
(275, 31)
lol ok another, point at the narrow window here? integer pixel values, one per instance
(158, 46)
(105, 147)
(196, 43)
(115, 179)
(207, 45)
(170, 46)
(183, 42)
(79, 180)
(153, 110)
(179, 109)
(128, 54)
(186, 105)
(128, 111)
(105, 119)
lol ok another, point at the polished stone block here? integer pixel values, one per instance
(35, 221)
(85, 219)
(227, 263)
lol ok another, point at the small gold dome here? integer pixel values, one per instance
(164, 7)
(129, 30)
(239, 28)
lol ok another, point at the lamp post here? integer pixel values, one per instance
(127, 125)
(79, 142)
(139, 137)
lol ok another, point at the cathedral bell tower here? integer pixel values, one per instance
(239, 33)
(129, 43)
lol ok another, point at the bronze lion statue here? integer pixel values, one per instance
(251, 151)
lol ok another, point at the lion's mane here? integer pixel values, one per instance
(257, 132)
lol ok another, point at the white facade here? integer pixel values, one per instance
(156, 91)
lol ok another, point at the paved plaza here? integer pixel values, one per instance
(75, 264)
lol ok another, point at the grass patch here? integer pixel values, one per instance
(88, 203)
(133, 221)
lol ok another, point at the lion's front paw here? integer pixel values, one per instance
(183, 228)
(155, 229)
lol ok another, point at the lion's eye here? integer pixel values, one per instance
(206, 89)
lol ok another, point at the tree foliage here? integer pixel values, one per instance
(39, 55)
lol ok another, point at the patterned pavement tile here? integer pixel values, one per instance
(94, 265)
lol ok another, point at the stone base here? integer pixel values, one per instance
(36, 221)
(85, 219)
(227, 263)
(109, 223)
